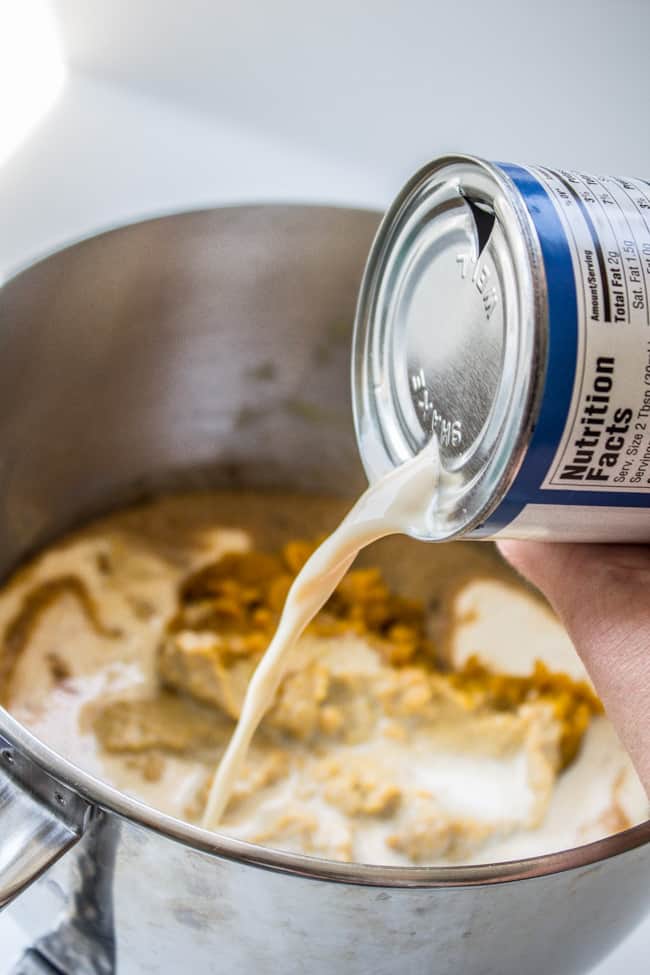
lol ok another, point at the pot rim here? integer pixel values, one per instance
(112, 801)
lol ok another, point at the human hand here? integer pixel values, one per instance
(602, 595)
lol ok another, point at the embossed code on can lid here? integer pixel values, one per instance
(444, 334)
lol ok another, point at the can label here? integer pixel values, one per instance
(606, 442)
(591, 445)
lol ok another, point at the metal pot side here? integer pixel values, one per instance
(213, 348)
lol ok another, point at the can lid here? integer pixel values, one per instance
(446, 341)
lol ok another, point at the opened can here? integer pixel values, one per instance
(505, 310)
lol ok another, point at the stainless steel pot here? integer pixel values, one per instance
(214, 346)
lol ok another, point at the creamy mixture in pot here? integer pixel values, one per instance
(433, 712)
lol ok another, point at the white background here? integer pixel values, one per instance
(171, 104)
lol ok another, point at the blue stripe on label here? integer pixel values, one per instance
(560, 370)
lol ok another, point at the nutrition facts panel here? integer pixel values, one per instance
(606, 442)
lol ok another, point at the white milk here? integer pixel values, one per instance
(398, 503)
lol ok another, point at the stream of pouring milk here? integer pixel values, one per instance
(398, 503)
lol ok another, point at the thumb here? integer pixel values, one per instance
(602, 595)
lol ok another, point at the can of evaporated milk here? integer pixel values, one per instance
(505, 309)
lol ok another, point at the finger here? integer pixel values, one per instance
(602, 594)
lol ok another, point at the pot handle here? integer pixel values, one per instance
(39, 820)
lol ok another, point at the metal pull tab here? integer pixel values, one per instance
(39, 820)
(484, 219)
(33, 963)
